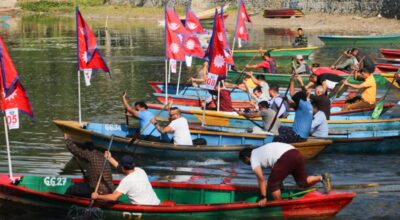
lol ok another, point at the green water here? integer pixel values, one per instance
(44, 52)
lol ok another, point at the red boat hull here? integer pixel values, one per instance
(390, 53)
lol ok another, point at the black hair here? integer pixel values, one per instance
(315, 65)
(88, 145)
(274, 87)
(141, 104)
(246, 152)
(301, 95)
(299, 29)
(353, 49)
(258, 89)
(362, 70)
(267, 53)
(173, 108)
(260, 77)
(263, 104)
(315, 104)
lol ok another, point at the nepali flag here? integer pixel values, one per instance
(216, 53)
(242, 17)
(172, 21)
(88, 54)
(192, 22)
(15, 96)
(219, 25)
(173, 42)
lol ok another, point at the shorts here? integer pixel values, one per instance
(291, 162)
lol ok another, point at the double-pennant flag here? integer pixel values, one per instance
(241, 32)
(13, 98)
(191, 43)
(218, 52)
(173, 43)
(89, 57)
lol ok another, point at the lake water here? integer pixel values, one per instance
(44, 52)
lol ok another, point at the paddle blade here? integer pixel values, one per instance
(377, 110)
(342, 90)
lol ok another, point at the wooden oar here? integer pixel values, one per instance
(280, 105)
(126, 117)
(379, 106)
(337, 61)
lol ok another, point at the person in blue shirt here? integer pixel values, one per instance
(150, 133)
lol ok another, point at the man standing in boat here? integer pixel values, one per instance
(135, 184)
(284, 160)
(93, 159)
(328, 81)
(367, 98)
(178, 125)
(268, 64)
(302, 66)
(140, 112)
(300, 40)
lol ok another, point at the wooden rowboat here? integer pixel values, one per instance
(278, 52)
(221, 145)
(334, 40)
(390, 53)
(388, 67)
(282, 13)
(205, 201)
(389, 77)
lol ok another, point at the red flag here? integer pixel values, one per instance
(221, 34)
(88, 55)
(192, 46)
(215, 52)
(242, 17)
(192, 23)
(8, 71)
(15, 96)
(172, 21)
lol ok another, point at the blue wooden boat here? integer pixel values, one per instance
(345, 40)
(221, 145)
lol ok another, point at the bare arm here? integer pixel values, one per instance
(108, 197)
(111, 159)
(128, 107)
(291, 87)
(167, 129)
(356, 86)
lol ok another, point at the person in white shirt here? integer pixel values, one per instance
(319, 125)
(135, 184)
(284, 160)
(178, 125)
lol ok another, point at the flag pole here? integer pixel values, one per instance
(8, 149)
(204, 109)
(179, 78)
(79, 97)
(166, 81)
(219, 95)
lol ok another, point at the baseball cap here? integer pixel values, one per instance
(299, 57)
(127, 162)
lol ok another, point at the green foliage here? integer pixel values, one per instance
(55, 5)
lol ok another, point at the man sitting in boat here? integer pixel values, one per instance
(260, 81)
(302, 66)
(284, 160)
(178, 125)
(140, 112)
(135, 184)
(225, 100)
(276, 101)
(93, 159)
(300, 40)
(267, 115)
(319, 125)
(268, 64)
(397, 78)
(302, 119)
(351, 61)
(322, 101)
(367, 89)
(259, 96)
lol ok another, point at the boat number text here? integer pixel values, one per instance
(111, 127)
(131, 215)
(55, 181)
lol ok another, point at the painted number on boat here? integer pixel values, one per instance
(131, 215)
(111, 127)
(55, 181)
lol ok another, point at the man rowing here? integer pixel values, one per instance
(268, 64)
(367, 89)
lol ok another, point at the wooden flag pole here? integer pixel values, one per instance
(8, 149)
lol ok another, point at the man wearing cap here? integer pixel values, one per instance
(268, 64)
(178, 125)
(302, 67)
(135, 184)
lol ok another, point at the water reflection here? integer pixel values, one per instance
(43, 49)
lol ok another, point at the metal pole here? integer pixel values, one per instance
(8, 149)
(218, 98)
(166, 82)
(179, 78)
(79, 97)
(204, 109)
(169, 73)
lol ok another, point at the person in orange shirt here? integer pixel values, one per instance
(367, 89)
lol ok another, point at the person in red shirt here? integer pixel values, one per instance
(268, 64)
(225, 101)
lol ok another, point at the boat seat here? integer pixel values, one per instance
(168, 203)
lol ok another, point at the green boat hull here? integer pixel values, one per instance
(283, 79)
(179, 201)
(284, 52)
(359, 40)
